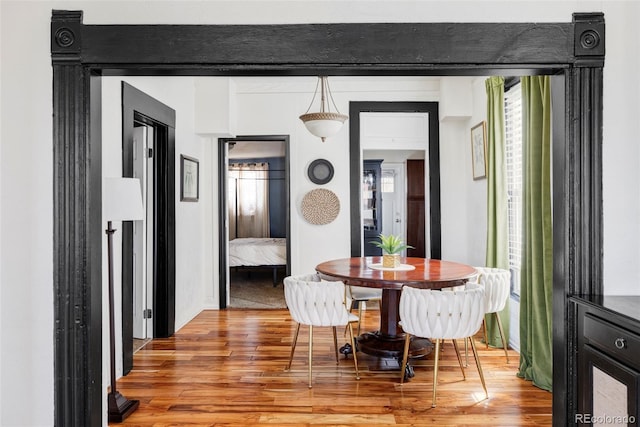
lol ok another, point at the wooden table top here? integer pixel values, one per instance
(428, 273)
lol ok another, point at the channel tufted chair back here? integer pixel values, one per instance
(445, 315)
(312, 301)
(496, 283)
(441, 315)
(315, 302)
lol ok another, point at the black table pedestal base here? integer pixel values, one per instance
(377, 344)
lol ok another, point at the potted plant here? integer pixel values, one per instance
(391, 247)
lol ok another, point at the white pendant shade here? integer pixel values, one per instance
(324, 123)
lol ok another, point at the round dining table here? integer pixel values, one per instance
(426, 273)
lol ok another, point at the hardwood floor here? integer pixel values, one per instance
(226, 368)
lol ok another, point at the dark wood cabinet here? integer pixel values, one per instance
(371, 205)
(608, 360)
(416, 208)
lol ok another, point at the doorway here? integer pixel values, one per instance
(141, 110)
(396, 219)
(254, 257)
(574, 51)
(420, 146)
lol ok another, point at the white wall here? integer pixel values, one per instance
(464, 220)
(26, 244)
(26, 191)
(272, 106)
(177, 93)
(621, 151)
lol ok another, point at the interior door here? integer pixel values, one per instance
(416, 208)
(394, 195)
(143, 235)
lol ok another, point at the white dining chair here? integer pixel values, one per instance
(359, 296)
(315, 302)
(440, 316)
(496, 283)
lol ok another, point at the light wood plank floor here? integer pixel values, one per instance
(226, 368)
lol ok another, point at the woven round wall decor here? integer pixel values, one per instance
(320, 206)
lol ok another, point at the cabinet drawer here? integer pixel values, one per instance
(615, 341)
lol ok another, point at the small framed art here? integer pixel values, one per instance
(479, 150)
(189, 179)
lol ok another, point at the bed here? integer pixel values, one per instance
(258, 252)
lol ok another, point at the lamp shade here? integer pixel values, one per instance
(323, 125)
(122, 199)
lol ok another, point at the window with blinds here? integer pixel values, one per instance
(513, 139)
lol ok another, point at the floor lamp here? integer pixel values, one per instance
(121, 201)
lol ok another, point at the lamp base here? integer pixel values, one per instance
(120, 407)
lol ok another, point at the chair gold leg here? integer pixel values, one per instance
(293, 345)
(405, 356)
(435, 372)
(486, 337)
(455, 346)
(310, 353)
(346, 327)
(475, 355)
(335, 344)
(466, 353)
(504, 339)
(359, 315)
(353, 346)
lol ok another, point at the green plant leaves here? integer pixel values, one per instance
(391, 244)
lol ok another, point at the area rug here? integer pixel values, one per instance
(254, 289)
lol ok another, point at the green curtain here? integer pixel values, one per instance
(537, 249)
(497, 205)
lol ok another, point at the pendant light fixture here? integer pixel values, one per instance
(324, 123)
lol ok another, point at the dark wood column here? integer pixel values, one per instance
(577, 189)
(77, 232)
(585, 155)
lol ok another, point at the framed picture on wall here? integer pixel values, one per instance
(479, 150)
(189, 179)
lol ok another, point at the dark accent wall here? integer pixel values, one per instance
(277, 193)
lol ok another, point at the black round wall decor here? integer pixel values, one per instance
(320, 171)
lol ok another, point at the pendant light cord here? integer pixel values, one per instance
(324, 81)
